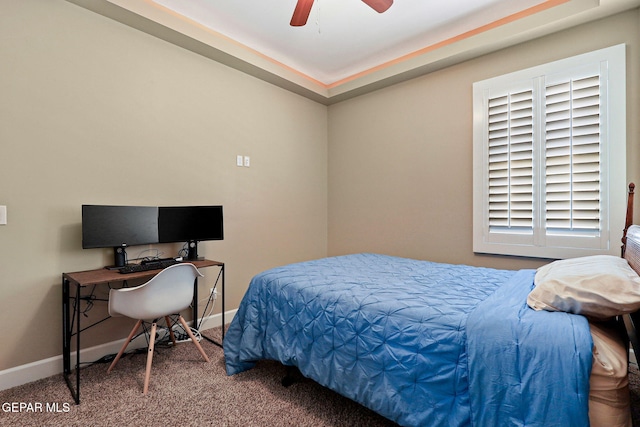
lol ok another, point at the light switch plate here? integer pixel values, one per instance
(3, 215)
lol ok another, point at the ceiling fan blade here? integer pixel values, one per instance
(301, 13)
(379, 5)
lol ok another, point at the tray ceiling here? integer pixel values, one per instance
(346, 48)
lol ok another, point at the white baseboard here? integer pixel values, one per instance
(37, 370)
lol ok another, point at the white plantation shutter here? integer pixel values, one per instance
(511, 161)
(550, 158)
(572, 152)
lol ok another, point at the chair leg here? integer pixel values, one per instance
(193, 338)
(124, 347)
(152, 340)
(171, 335)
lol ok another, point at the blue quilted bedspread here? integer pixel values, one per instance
(421, 343)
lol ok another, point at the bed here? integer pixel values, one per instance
(433, 344)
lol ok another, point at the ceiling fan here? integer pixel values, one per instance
(303, 8)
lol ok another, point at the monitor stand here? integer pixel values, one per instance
(119, 257)
(192, 254)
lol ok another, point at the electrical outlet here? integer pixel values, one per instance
(215, 294)
(3, 215)
(247, 161)
(239, 160)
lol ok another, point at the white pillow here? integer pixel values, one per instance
(599, 286)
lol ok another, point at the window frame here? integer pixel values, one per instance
(540, 244)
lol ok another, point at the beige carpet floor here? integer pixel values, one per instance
(186, 391)
(183, 391)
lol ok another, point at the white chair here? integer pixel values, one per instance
(167, 293)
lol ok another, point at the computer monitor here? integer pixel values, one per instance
(191, 224)
(118, 227)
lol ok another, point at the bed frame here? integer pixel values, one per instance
(631, 252)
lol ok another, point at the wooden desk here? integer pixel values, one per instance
(71, 323)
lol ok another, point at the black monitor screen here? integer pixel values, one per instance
(190, 223)
(113, 226)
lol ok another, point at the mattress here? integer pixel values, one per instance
(609, 400)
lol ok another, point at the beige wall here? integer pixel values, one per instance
(92, 111)
(400, 159)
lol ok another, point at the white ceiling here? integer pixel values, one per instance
(346, 48)
(343, 37)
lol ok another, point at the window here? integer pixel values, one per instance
(550, 158)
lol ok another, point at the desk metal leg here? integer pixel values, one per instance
(78, 329)
(195, 304)
(223, 294)
(67, 333)
(66, 339)
(220, 277)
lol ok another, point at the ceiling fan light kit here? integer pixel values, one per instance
(303, 9)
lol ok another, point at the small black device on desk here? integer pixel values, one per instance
(147, 265)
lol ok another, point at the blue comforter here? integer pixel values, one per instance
(421, 343)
